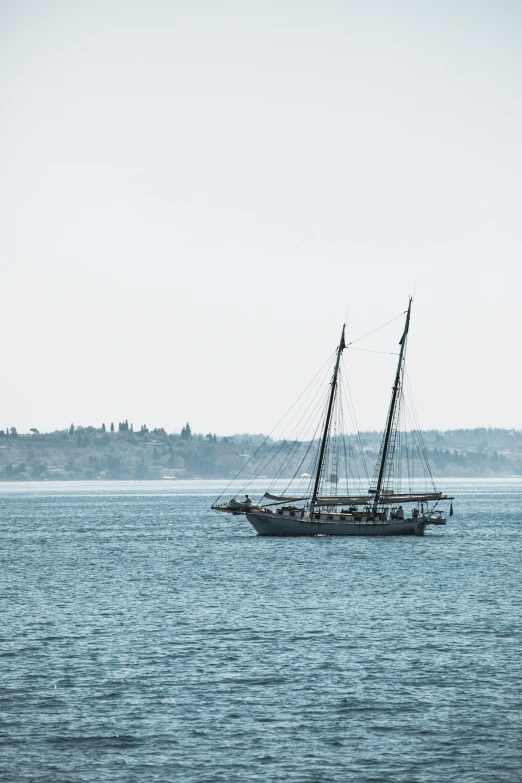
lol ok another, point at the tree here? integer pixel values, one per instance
(103, 428)
(13, 432)
(141, 471)
(34, 431)
(112, 426)
(71, 429)
(186, 432)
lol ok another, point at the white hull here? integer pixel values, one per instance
(275, 525)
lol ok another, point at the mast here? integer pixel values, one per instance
(391, 412)
(342, 346)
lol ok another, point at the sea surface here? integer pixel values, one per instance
(145, 638)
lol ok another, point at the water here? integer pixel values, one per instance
(145, 638)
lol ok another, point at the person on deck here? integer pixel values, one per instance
(247, 501)
(400, 513)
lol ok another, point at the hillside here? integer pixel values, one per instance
(86, 453)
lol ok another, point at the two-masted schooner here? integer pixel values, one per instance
(324, 509)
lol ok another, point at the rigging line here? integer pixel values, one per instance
(418, 432)
(315, 403)
(295, 444)
(301, 410)
(420, 436)
(342, 430)
(330, 446)
(263, 465)
(308, 481)
(304, 484)
(420, 457)
(338, 453)
(350, 447)
(286, 458)
(299, 468)
(353, 416)
(419, 445)
(390, 434)
(376, 330)
(349, 470)
(332, 475)
(368, 350)
(407, 448)
(410, 462)
(388, 467)
(398, 440)
(328, 361)
(292, 452)
(321, 459)
(311, 411)
(315, 442)
(318, 469)
(397, 457)
(416, 454)
(306, 452)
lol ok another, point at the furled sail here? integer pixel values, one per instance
(345, 500)
(388, 499)
(415, 497)
(282, 498)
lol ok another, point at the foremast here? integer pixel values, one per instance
(324, 439)
(391, 412)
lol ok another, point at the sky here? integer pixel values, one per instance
(196, 195)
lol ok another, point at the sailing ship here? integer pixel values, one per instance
(384, 509)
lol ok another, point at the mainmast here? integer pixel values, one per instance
(391, 412)
(342, 346)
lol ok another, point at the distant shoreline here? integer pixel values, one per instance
(27, 482)
(97, 454)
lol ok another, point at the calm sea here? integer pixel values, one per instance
(145, 638)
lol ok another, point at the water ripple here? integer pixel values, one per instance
(143, 638)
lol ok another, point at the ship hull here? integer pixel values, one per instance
(272, 525)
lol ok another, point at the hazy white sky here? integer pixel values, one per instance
(195, 194)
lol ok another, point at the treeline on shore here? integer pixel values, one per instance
(120, 452)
